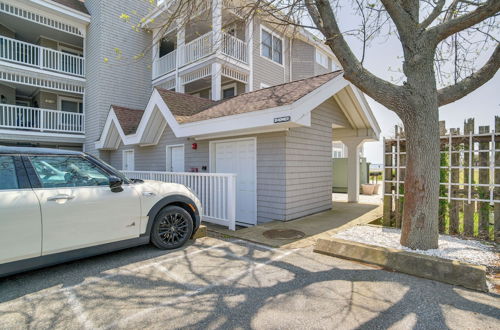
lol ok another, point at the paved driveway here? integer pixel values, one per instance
(234, 284)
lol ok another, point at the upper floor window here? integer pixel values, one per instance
(321, 58)
(271, 46)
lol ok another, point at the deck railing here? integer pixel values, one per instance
(16, 51)
(165, 64)
(43, 120)
(196, 49)
(216, 191)
(234, 47)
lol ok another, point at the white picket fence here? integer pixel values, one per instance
(216, 191)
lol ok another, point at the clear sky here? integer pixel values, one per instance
(384, 58)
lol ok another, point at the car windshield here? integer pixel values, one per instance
(111, 169)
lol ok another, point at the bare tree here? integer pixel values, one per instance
(441, 41)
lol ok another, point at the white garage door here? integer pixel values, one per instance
(239, 156)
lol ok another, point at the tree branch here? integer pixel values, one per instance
(455, 92)
(433, 15)
(446, 29)
(380, 90)
(401, 19)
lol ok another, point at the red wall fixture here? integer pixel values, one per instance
(194, 146)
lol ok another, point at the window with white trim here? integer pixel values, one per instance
(271, 46)
(321, 58)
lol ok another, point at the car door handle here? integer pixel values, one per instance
(59, 197)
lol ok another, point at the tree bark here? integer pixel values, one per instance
(421, 188)
(420, 116)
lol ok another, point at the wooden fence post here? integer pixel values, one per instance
(443, 176)
(386, 221)
(497, 180)
(454, 214)
(484, 178)
(468, 177)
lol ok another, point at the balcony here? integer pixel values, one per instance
(41, 120)
(20, 52)
(199, 48)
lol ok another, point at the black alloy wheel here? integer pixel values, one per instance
(173, 226)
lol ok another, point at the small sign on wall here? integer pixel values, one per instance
(281, 119)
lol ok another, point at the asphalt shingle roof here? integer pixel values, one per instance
(129, 118)
(188, 108)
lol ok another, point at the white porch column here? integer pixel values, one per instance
(216, 81)
(217, 43)
(181, 40)
(249, 42)
(217, 25)
(353, 146)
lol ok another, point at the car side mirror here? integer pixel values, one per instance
(115, 184)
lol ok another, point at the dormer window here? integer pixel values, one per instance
(271, 46)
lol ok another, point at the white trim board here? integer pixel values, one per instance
(299, 113)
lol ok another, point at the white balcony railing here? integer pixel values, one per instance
(42, 120)
(196, 49)
(165, 64)
(13, 50)
(216, 191)
(234, 47)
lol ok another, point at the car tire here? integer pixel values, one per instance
(172, 227)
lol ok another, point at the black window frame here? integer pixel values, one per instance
(21, 174)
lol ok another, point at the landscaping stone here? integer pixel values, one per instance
(430, 267)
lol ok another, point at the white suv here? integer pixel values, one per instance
(58, 205)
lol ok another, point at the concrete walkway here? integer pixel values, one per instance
(322, 225)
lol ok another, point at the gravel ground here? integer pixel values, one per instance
(454, 248)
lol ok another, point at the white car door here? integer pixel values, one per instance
(20, 219)
(78, 207)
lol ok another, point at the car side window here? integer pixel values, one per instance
(68, 171)
(8, 175)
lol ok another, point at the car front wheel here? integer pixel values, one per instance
(172, 228)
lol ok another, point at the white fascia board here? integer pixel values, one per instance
(155, 101)
(299, 112)
(42, 134)
(110, 120)
(61, 9)
(29, 70)
(366, 109)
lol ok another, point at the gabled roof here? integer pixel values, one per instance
(129, 118)
(270, 109)
(265, 98)
(74, 4)
(183, 106)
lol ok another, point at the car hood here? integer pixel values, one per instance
(164, 189)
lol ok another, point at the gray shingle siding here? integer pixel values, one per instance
(123, 82)
(264, 70)
(308, 165)
(302, 60)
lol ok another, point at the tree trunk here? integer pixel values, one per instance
(420, 116)
(421, 188)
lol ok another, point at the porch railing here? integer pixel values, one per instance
(196, 49)
(43, 120)
(13, 50)
(216, 191)
(165, 64)
(234, 47)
